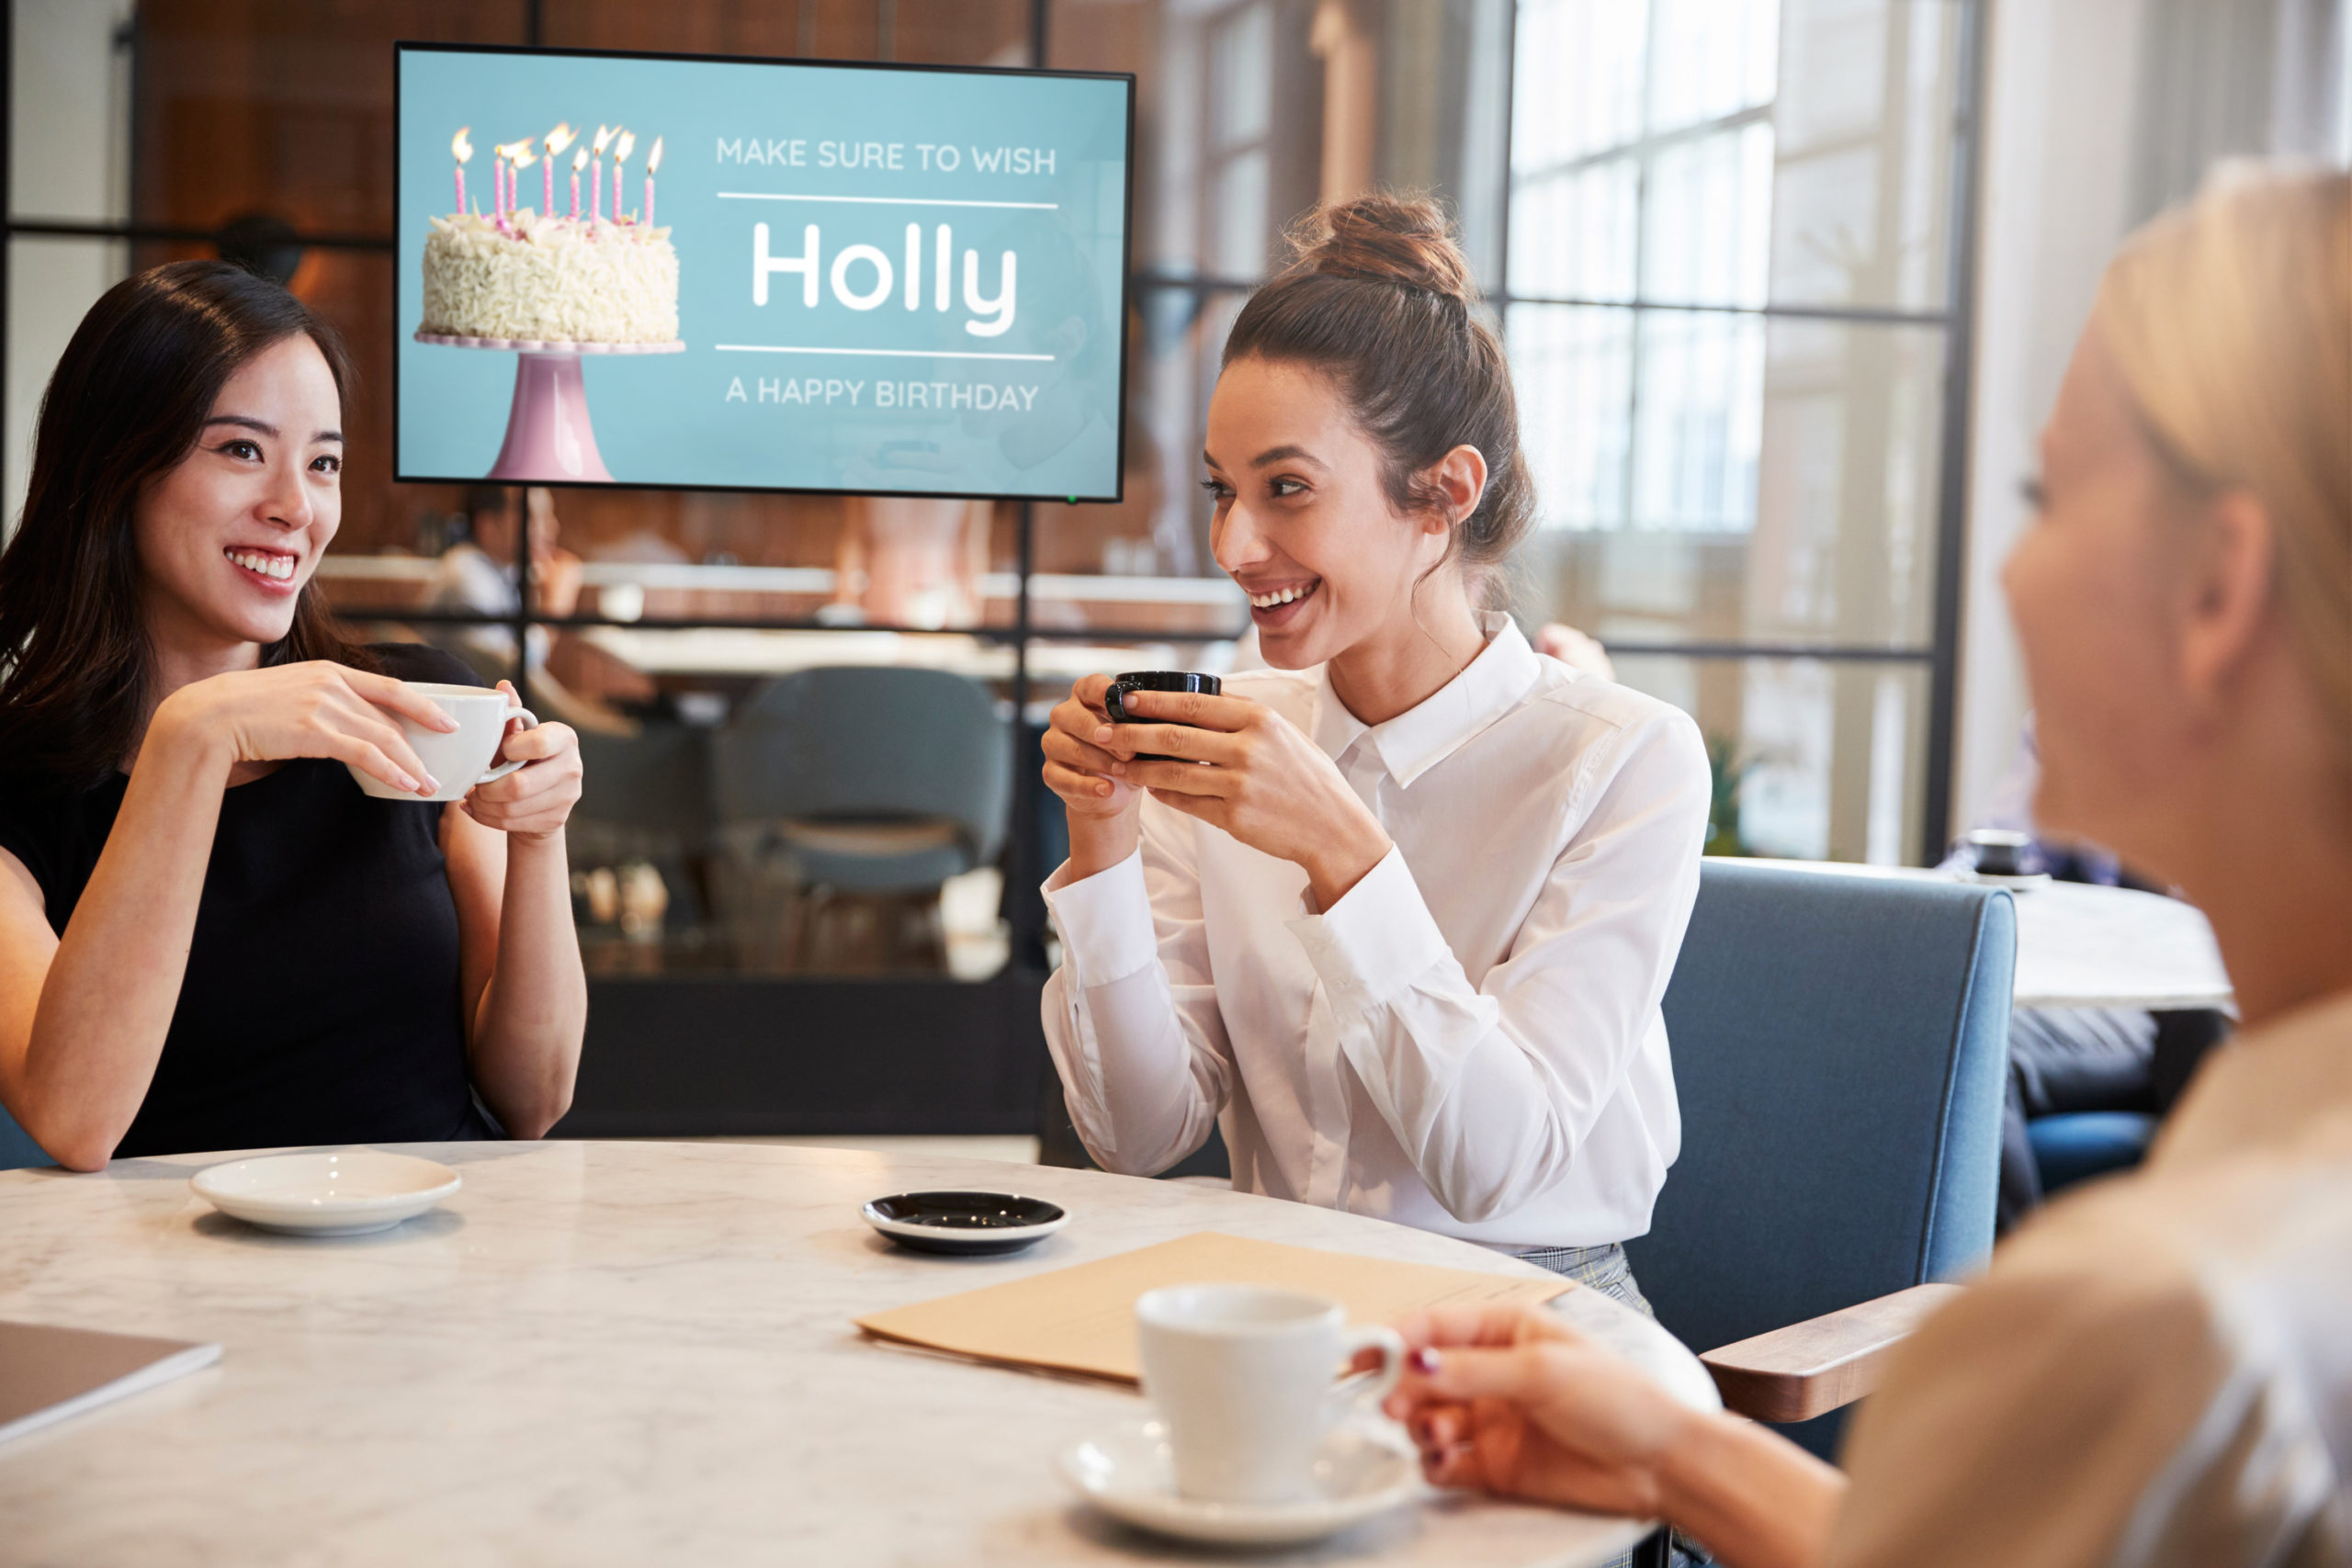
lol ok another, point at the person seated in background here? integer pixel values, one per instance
(2069, 1059)
(1402, 908)
(1577, 649)
(913, 561)
(210, 938)
(478, 573)
(2157, 1369)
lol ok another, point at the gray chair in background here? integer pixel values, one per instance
(846, 797)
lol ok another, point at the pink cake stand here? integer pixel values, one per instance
(548, 434)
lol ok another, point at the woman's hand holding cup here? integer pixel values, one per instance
(1102, 808)
(313, 709)
(1511, 1400)
(535, 800)
(1076, 768)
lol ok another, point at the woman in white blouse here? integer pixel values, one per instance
(1403, 912)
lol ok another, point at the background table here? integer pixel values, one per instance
(2080, 945)
(628, 1353)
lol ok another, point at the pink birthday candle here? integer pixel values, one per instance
(621, 150)
(652, 162)
(463, 150)
(597, 173)
(557, 140)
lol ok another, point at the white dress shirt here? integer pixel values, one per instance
(1469, 1041)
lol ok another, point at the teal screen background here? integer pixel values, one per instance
(723, 416)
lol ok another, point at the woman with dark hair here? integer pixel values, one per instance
(210, 938)
(1401, 911)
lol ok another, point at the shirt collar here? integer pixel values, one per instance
(1422, 736)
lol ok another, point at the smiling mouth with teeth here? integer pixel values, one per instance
(1281, 596)
(278, 569)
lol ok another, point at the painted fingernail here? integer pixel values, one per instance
(1423, 1360)
(408, 783)
(432, 785)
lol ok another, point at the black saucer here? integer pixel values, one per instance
(968, 1223)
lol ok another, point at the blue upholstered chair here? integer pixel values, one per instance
(18, 1149)
(1840, 1044)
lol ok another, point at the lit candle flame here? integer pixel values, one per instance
(603, 138)
(626, 145)
(521, 157)
(652, 159)
(459, 147)
(561, 137)
(579, 160)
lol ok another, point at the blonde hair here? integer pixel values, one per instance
(2230, 320)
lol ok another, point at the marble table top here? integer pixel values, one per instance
(629, 1353)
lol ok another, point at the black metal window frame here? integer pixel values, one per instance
(1956, 320)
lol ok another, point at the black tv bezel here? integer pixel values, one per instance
(1126, 264)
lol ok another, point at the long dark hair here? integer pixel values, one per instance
(126, 404)
(1379, 298)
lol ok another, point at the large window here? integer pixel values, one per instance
(1729, 275)
(1720, 236)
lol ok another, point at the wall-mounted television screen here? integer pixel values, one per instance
(664, 270)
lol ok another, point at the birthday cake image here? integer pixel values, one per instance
(551, 285)
(555, 279)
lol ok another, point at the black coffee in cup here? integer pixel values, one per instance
(1155, 681)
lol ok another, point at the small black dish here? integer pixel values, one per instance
(971, 1223)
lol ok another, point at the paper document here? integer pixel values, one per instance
(1081, 1319)
(47, 1375)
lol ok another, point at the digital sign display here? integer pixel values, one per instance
(656, 270)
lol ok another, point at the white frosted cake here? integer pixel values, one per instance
(555, 279)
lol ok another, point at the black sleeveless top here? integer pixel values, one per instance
(321, 1003)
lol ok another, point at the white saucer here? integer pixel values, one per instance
(1129, 1474)
(347, 1192)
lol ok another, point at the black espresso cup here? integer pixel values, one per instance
(2000, 851)
(1155, 681)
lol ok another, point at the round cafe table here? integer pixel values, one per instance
(630, 1353)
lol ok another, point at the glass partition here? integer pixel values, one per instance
(1719, 236)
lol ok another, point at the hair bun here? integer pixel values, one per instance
(1385, 239)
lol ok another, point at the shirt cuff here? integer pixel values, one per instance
(1105, 921)
(1376, 940)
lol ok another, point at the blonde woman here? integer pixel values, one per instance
(2159, 1371)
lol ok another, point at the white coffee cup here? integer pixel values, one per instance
(461, 758)
(1244, 1377)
